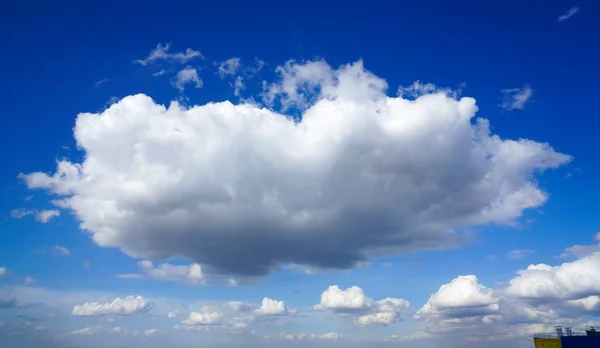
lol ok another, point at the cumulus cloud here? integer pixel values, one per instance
(366, 311)
(161, 53)
(61, 250)
(569, 281)
(129, 305)
(244, 190)
(515, 98)
(463, 297)
(233, 315)
(570, 13)
(539, 298)
(272, 307)
(519, 254)
(42, 216)
(185, 76)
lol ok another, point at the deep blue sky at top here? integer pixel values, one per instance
(54, 52)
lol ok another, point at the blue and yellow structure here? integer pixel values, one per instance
(568, 339)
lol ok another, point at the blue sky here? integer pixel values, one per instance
(386, 181)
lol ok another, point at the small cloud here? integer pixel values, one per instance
(515, 98)
(2, 271)
(573, 172)
(518, 254)
(28, 281)
(161, 52)
(42, 216)
(150, 332)
(186, 76)
(386, 264)
(174, 314)
(238, 85)
(229, 67)
(101, 82)
(61, 250)
(86, 264)
(570, 13)
(159, 73)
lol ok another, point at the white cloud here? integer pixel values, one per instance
(217, 183)
(568, 281)
(161, 53)
(535, 301)
(84, 331)
(234, 69)
(2, 271)
(28, 281)
(129, 305)
(177, 273)
(238, 85)
(583, 250)
(101, 82)
(418, 89)
(305, 336)
(151, 332)
(229, 67)
(272, 307)
(463, 297)
(519, 254)
(366, 311)
(173, 314)
(570, 13)
(515, 98)
(202, 321)
(187, 75)
(61, 250)
(42, 216)
(159, 73)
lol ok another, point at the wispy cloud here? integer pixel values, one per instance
(519, 254)
(161, 52)
(186, 76)
(515, 98)
(570, 13)
(61, 250)
(101, 82)
(42, 216)
(159, 73)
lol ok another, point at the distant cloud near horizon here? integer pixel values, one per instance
(570, 13)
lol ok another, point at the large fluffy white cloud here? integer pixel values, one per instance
(120, 306)
(244, 190)
(463, 297)
(569, 281)
(365, 310)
